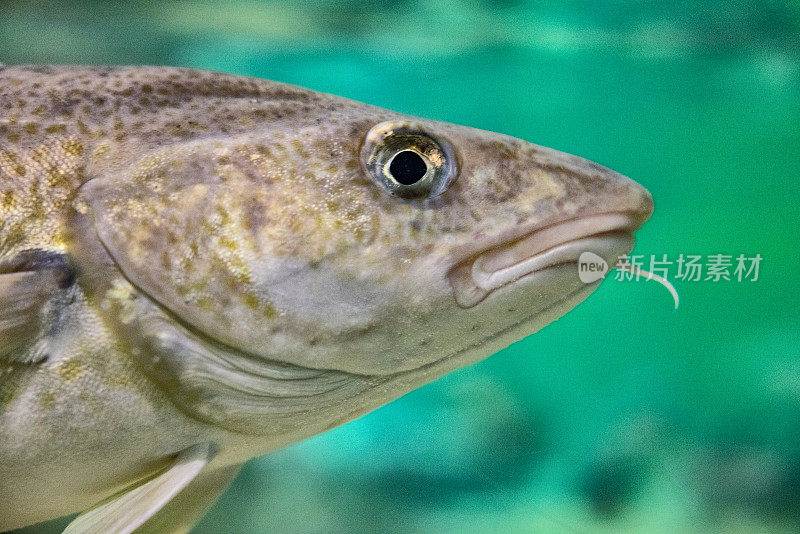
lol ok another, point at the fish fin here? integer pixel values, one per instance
(27, 282)
(182, 512)
(129, 510)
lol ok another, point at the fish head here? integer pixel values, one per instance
(346, 238)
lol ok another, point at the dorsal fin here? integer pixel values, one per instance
(27, 282)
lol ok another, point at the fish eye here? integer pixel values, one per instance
(407, 167)
(407, 160)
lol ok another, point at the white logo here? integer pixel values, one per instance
(591, 267)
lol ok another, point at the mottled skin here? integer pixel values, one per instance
(231, 274)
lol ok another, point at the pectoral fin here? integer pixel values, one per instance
(128, 511)
(27, 282)
(182, 512)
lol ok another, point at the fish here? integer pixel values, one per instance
(199, 268)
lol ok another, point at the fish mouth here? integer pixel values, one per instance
(558, 245)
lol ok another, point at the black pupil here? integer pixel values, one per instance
(408, 167)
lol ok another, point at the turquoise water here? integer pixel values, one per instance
(624, 416)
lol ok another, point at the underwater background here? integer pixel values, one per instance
(624, 416)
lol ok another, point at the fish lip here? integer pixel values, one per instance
(550, 246)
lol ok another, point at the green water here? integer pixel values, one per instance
(625, 415)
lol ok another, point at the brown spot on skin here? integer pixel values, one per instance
(14, 236)
(73, 147)
(251, 301)
(70, 370)
(82, 128)
(56, 129)
(205, 303)
(10, 387)
(269, 312)
(228, 243)
(15, 163)
(299, 148)
(7, 200)
(58, 179)
(47, 400)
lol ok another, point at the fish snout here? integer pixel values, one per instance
(597, 211)
(598, 190)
